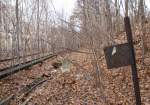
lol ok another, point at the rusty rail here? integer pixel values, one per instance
(16, 68)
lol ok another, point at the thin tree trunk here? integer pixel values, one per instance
(38, 25)
(109, 21)
(142, 27)
(0, 26)
(17, 31)
(126, 7)
(117, 20)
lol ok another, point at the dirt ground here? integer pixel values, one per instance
(79, 86)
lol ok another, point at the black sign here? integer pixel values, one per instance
(123, 55)
(117, 56)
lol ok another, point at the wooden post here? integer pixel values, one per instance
(133, 61)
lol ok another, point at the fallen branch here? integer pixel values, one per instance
(33, 87)
(7, 100)
(72, 50)
(26, 101)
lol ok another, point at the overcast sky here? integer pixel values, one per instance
(66, 5)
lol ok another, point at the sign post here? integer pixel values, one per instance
(124, 55)
(133, 61)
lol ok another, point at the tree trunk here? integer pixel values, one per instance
(142, 27)
(38, 39)
(0, 26)
(126, 7)
(109, 21)
(117, 18)
(17, 31)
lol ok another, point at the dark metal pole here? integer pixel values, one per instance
(133, 61)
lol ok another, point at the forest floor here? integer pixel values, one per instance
(79, 85)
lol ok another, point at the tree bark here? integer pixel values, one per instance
(17, 31)
(126, 7)
(38, 39)
(142, 27)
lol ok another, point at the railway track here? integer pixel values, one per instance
(16, 68)
(23, 93)
(13, 58)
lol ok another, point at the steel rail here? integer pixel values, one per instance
(9, 59)
(16, 68)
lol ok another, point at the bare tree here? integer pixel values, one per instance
(38, 26)
(18, 30)
(142, 27)
(126, 7)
